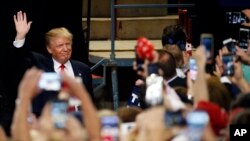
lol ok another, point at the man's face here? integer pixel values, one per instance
(60, 48)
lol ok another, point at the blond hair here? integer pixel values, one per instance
(58, 32)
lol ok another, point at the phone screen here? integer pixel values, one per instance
(110, 128)
(235, 18)
(243, 38)
(230, 44)
(59, 113)
(50, 81)
(196, 123)
(174, 118)
(208, 41)
(193, 68)
(228, 64)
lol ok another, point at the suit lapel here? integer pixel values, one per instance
(51, 65)
(76, 70)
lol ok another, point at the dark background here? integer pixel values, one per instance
(210, 17)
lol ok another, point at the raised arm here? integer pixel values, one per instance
(243, 56)
(21, 25)
(247, 13)
(26, 91)
(200, 85)
(3, 136)
(91, 119)
(238, 78)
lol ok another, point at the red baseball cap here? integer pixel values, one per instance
(217, 115)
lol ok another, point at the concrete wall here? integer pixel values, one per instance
(101, 8)
(131, 28)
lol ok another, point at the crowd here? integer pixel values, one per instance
(181, 95)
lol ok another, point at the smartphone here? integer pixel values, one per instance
(193, 68)
(196, 123)
(50, 81)
(243, 38)
(207, 40)
(230, 44)
(110, 128)
(174, 118)
(235, 18)
(59, 113)
(227, 60)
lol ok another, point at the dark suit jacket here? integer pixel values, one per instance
(46, 64)
(181, 82)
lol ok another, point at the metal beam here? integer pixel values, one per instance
(153, 5)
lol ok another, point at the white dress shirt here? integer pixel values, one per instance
(19, 43)
(68, 68)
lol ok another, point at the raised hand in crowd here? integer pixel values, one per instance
(190, 85)
(27, 90)
(238, 78)
(144, 72)
(91, 119)
(154, 130)
(219, 68)
(247, 13)
(73, 131)
(3, 136)
(243, 56)
(200, 85)
(22, 25)
(219, 65)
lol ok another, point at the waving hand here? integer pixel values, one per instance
(21, 24)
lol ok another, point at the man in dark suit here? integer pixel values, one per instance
(59, 45)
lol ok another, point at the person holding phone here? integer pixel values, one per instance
(242, 55)
(207, 40)
(46, 128)
(247, 13)
(174, 42)
(218, 117)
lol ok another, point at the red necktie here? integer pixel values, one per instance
(62, 67)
